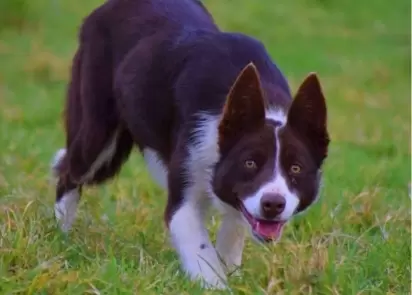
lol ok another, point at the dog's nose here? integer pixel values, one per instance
(272, 205)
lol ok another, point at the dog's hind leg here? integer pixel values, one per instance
(105, 166)
(67, 194)
(67, 191)
(96, 143)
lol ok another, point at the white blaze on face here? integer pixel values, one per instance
(277, 184)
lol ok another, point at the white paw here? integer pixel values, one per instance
(209, 276)
(234, 271)
(65, 209)
(197, 254)
(214, 286)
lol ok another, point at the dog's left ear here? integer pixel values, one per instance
(308, 116)
(244, 109)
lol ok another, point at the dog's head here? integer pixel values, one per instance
(270, 169)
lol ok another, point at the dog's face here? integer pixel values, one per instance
(270, 169)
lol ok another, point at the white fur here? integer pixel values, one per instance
(277, 185)
(156, 167)
(191, 240)
(58, 157)
(65, 209)
(277, 115)
(105, 156)
(204, 152)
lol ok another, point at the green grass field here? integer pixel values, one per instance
(356, 240)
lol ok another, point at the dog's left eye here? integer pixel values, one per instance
(250, 165)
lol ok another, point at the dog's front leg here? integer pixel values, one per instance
(230, 240)
(191, 240)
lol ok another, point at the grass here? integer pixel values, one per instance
(356, 240)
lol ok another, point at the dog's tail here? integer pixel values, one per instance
(90, 111)
(56, 162)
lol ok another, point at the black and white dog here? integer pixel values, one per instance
(212, 115)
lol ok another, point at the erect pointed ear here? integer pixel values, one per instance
(245, 107)
(308, 116)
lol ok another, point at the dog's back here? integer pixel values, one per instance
(125, 23)
(134, 50)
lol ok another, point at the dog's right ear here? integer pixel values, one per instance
(245, 107)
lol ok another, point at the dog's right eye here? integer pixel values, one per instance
(250, 165)
(295, 169)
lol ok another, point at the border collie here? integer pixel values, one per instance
(213, 117)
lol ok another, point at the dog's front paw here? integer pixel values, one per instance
(214, 285)
(233, 271)
(209, 277)
(209, 273)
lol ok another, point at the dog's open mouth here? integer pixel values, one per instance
(264, 230)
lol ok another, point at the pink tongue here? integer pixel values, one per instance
(268, 229)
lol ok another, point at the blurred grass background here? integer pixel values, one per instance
(356, 240)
